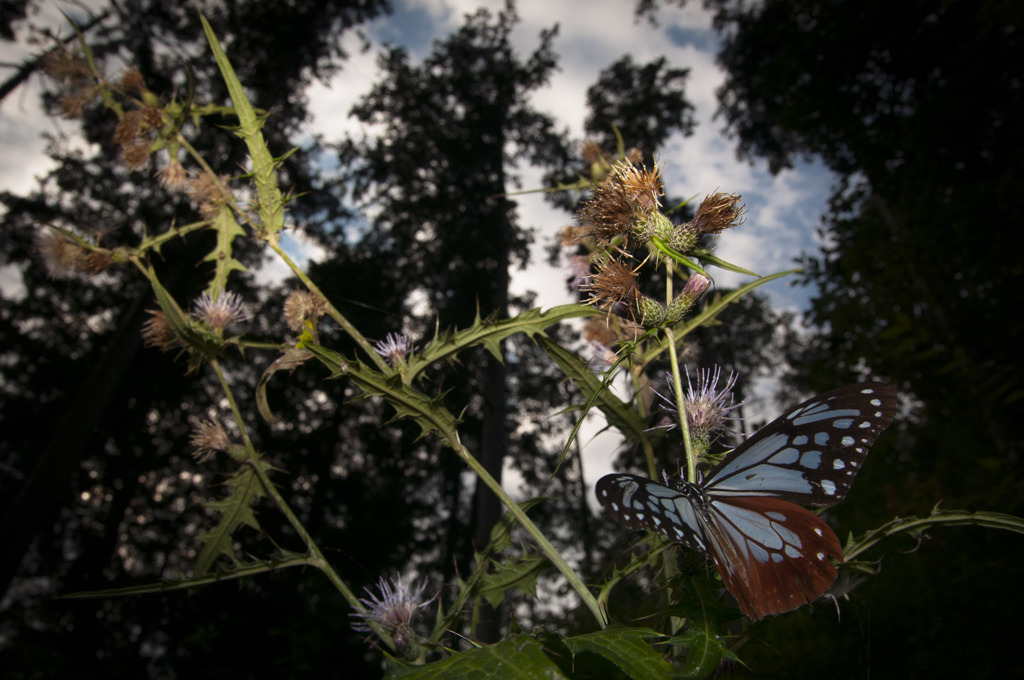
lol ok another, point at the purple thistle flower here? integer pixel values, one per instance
(708, 409)
(393, 607)
(221, 312)
(395, 347)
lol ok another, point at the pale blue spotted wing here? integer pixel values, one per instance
(810, 455)
(773, 555)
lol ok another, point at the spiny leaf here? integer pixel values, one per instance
(704, 650)
(269, 202)
(501, 532)
(619, 415)
(235, 510)
(489, 333)
(223, 572)
(428, 412)
(227, 229)
(519, 573)
(627, 648)
(916, 526)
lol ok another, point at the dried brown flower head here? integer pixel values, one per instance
(61, 255)
(205, 190)
(612, 287)
(719, 212)
(599, 331)
(71, 106)
(173, 176)
(96, 262)
(156, 332)
(135, 154)
(592, 152)
(132, 80)
(622, 206)
(208, 437)
(129, 127)
(301, 306)
(62, 65)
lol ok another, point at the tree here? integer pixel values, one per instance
(93, 434)
(910, 105)
(453, 127)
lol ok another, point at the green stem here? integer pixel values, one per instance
(677, 383)
(346, 325)
(316, 558)
(542, 541)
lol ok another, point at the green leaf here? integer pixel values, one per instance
(519, 658)
(489, 333)
(916, 527)
(618, 414)
(428, 412)
(270, 204)
(710, 258)
(223, 572)
(520, 573)
(501, 532)
(227, 229)
(627, 648)
(235, 511)
(704, 650)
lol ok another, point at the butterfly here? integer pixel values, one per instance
(773, 555)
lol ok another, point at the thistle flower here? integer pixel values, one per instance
(623, 206)
(719, 212)
(156, 332)
(395, 347)
(205, 190)
(61, 255)
(132, 80)
(62, 65)
(394, 607)
(612, 287)
(135, 154)
(172, 176)
(208, 437)
(696, 286)
(218, 313)
(301, 306)
(708, 409)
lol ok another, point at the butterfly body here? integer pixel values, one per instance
(773, 555)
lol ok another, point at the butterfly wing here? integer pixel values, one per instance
(773, 555)
(639, 503)
(810, 455)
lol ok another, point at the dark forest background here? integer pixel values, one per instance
(916, 106)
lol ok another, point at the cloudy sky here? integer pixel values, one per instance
(783, 211)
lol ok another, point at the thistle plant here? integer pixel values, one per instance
(624, 238)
